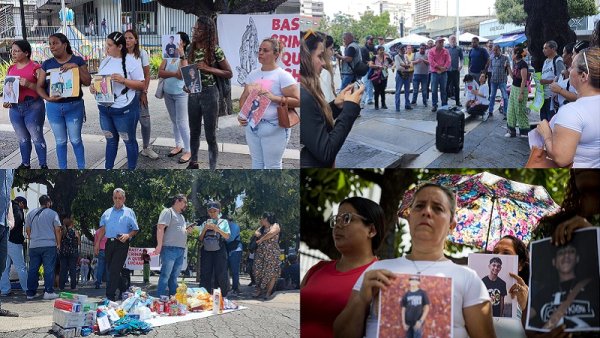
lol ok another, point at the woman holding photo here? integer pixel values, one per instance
(267, 140)
(120, 117)
(66, 114)
(211, 62)
(431, 218)
(176, 100)
(27, 116)
(133, 48)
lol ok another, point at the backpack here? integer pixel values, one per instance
(231, 246)
(212, 239)
(69, 244)
(154, 239)
(360, 68)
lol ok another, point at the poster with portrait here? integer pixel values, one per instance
(494, 272)
(103, 87)
(191, 78)
(564, 283)
(254, 108)
(170, 43)
(134, 260)
(415, 304)
(64, 84)
(11, 89)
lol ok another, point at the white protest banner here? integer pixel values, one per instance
(240, 37)
(134, 259)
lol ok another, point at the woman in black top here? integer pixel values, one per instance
(320, 136)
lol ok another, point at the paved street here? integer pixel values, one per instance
(278, 317)
(234, 153)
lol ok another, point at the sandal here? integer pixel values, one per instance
(171, 154)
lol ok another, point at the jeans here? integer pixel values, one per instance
(171, 258)
(120, 123)
(101, 268)
(412, 332)
(493, 88)
(27, 119)
(214, 262)
(45, 256)
(346, 80)
(234, 260)
(68, 264)
(85, 269)
(204, 105)
(401, 82)
(368, 95)
(66, 120)
(453, 85)
(15, 256)
(267, 142)
(439, 80)
(420, 79)
(144, 121)
(177, 106)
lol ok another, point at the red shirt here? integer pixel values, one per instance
(438, 58)
(29, 73)
(324, 296)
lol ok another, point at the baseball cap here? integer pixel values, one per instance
(423, 45)
(439, 38)
(214, 205)
(21, 199)
(415, 277)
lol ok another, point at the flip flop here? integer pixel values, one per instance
(171, 154)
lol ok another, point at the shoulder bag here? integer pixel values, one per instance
(288, 117)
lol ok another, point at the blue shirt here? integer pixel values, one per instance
(235, 233)
(478, 57)
(118, 221)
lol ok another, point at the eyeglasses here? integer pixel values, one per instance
(343, 219)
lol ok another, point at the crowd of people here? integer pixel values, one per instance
(352, 307)
(127, 66)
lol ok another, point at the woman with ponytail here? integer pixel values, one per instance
(320, 136)
(267, 140)
(65, 115)
(211, 62)
(119, 119)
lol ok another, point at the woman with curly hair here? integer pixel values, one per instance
(266, 260)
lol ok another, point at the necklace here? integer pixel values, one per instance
(428, 266)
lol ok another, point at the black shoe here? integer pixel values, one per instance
(193, 165)
(413, 102)
(44, 166)
(376, 107)
(459, 105)
(425, 104)
(384, 107)
(408, 108)
(24, 166)
(434, 109)
(6, 313)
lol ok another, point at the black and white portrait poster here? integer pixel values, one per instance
(494, 272)
(564, 282)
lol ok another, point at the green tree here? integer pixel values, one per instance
(514, 10)
(368, 24)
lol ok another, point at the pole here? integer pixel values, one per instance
(23, 25)
(457, 20)
(490, 223)
(63, 10)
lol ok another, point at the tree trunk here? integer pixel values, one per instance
(546, 20)
(212, 7)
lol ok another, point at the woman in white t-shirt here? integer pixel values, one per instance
(480, 94)
(573, 134)
(431, 218)
(133, 48)
(267, 140)
(121, 117)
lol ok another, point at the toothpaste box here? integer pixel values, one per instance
(67, 319)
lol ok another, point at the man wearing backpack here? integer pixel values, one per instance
(553, 66)
(119, 225)
(171, 237)
(234, 252)
(213, 258)
(351, 58)
(44, 232)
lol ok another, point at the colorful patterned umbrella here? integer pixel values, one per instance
(490, 206)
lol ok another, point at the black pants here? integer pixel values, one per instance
(478, 109)
(68, 265)
(116, 254)
(380, 91)
(204, 105)
(453, 87)
(214, 262)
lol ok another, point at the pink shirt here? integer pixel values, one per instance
(29, 73)
(438, 58)
(102, 241)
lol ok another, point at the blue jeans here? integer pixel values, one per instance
(420, 79)
(267, 142)
(400, 82)
(145, 125)
(234, 260)
(493, 89)
(27, 119)
(346, 80)
(368, 95)
(177, 106)
(68, 264)
(66, 120)
(15, 256)
(414, 333)
(439, 80)
(120, 122)
(101, 268)
(4, 232)
(171, 258)
(45, 256)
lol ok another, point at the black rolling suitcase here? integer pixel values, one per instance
(450, 130)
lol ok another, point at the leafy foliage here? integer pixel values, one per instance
(369, 24)
(155, 61)
(513, 10)
(3, 70)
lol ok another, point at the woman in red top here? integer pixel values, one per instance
(357, 232)
(28, 115)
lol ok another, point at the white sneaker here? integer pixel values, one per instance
(50, 296)
(148, 152)
(30, 297)
(508, 135)
(486, 115)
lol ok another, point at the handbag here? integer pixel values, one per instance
(538, 158)
(160, 89)
(288, 117)
(252, 245)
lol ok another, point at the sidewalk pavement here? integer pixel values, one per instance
(233, 150)
(282, 311)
